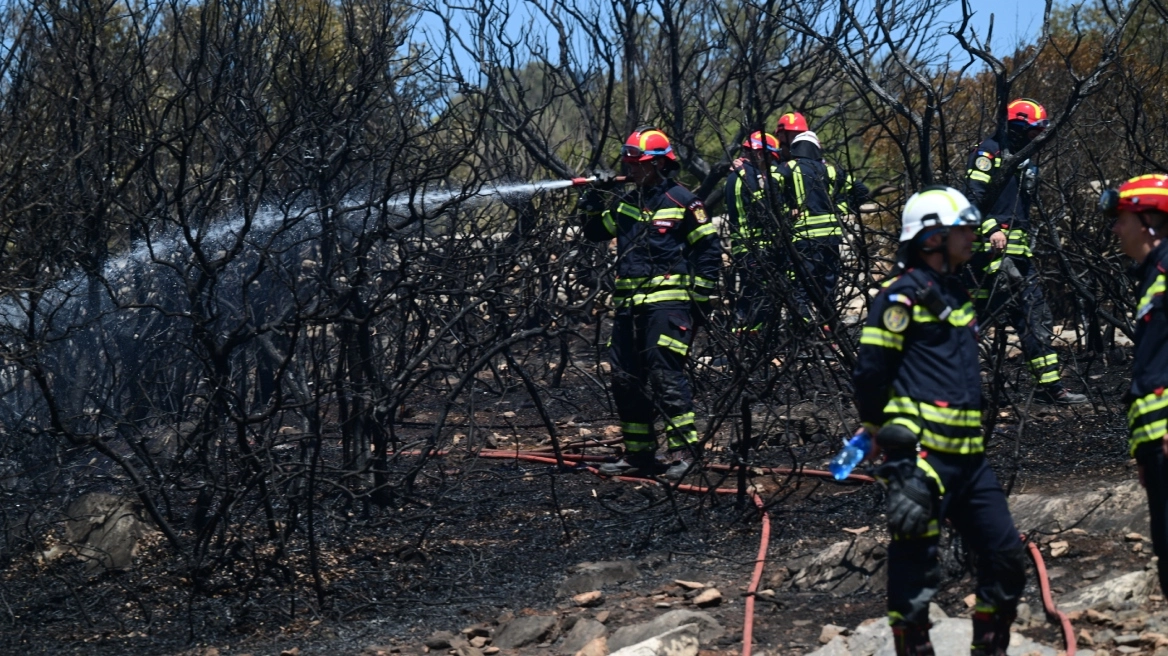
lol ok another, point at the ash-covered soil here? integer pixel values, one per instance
(481, 541)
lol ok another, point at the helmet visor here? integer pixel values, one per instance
(634, 154)
(970, 216)
(1109, 202)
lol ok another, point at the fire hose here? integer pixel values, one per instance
(1053, 614)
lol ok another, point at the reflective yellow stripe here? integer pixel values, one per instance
(682, 420)
(1157, 287)
(876, 336)
(702, 232)
(704, 282)
(978, 176)
(669, 213)
(634, 428)
(961, 426)
(646, 284)
(833, 231)
(1147, 419)
(797, 178)
(609, 222)
(677, 346)
(950, 416)
(960, 317)
(1044, 360)
(655, 297)
(633, 213)
(924, 466)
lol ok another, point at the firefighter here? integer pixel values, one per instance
(815, 195)
(1140, 208)
(1004, 277)
(918, 390)
(748, 215)
(668, 260)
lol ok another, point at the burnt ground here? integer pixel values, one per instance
(483, 540)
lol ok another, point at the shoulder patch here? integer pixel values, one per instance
(896, 318)
(983, 163)
(699, 211)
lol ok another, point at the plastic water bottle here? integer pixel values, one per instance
(853, 452)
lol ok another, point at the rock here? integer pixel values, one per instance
(476, 630)
(708, 597)
(379, 650)
(589, 599)
(583, 632)
(478, 642)
(1112, 593)
(949, 636)
(1059, 548)
(681, 641)
(524, 631)
(598, 647)
(439, 640)
(587, 577)
(970, 600)
(103, 530)
(1119, 510)
(778, 577)
(936, 613)
(708, 628)
(602, 616)
(690, 585)
(1127, 639)
(491, 650)
(844, 568)
(462, 647)
(295, 651)
(829, 632)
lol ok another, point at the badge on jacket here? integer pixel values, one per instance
(896, 318)
(983, 163)
(699, 211)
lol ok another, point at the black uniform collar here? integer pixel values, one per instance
(1155, 256)
(806, 150)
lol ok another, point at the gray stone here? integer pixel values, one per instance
(439, 640)
(681, 641)
(1113, 593)
(708, 628)
(950, 636)
(584, 631)
(844, 568)
(587, 577)
(524, 631)
(102, 530)
(1120, 509)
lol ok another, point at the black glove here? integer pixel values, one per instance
(606, 180)
(590, 201)
(911, 497)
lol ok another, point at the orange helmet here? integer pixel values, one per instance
(760, 141)
(647, 143)
(793, 122)
(1140, 194)
(1027, 114)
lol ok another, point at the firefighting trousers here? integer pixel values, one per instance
(753, 307)
(816, 274)
(1014, 296)
(647, 351)
(1150, 456)
(973, 501)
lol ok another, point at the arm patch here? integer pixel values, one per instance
(699, 211)
(896, 318)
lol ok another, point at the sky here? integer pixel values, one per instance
(1015, 21)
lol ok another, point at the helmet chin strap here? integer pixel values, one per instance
(942, 248)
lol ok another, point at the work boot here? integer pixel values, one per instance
(991, 634)
(683, 462)
(633, 464)
(911, 640)
(1058, 395)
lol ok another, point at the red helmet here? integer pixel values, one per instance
(760, 141)
(647, 143)
(1140, 194)
(793, 122)
(1027, 114)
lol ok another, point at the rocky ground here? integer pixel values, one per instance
(521, 560)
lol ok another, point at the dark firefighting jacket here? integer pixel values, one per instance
(746, 207)
(1148, 413)
(667, 248)
(816, 194)
(1011, 212)
(918, 362)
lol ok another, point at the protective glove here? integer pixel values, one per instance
(606, 180)
(911, 496)
(590, 201)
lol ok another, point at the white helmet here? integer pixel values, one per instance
(936, 206)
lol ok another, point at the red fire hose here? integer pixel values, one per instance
(1052, 612)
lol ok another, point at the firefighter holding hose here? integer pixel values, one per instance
(918, 390)
(1140, 209)
(668, 260)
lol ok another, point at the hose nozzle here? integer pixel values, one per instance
(580, 182)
